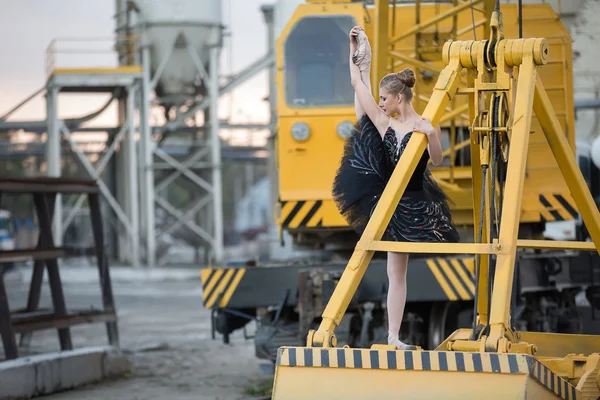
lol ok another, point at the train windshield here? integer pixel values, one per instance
(316, 62)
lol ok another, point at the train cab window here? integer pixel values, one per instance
(316, 67)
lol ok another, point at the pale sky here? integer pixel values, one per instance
(28, 26)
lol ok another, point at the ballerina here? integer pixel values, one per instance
(370, 156)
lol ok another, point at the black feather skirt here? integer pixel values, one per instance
(423, 213)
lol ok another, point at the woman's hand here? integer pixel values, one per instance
(353, 42)
(433, 137)
(424, 126)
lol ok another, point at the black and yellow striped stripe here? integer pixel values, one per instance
(403, 360)
(301, 214)
(427, 361)
(557, 207)
(552, 381)
(219, 283)
(456, 276)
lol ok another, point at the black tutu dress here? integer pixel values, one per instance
(422, 215)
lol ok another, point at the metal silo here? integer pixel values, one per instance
(170, 26)
(178, 45)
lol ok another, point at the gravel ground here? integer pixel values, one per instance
(167, 332)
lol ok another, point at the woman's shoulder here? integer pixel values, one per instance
(366, 123)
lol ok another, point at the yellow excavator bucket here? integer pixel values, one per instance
(344, 373)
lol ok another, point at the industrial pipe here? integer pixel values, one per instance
(582, 104)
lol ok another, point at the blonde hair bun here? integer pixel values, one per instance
(407, 77)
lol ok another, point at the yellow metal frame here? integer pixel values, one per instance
(386, 58)
(474, 56)
(493, 358)
(127, 69)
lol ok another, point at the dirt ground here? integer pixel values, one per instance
(166, 331)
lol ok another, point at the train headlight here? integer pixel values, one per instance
(300, 131)
(344, 129)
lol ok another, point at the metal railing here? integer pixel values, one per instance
(91, 52)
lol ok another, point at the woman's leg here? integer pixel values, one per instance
(366, 78)
(396, 299)
(365, 71)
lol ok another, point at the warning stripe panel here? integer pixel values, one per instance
(442, 278)
(219, 284)
(416, 360)
(455, 276)
(301, 214)
(427, 361)
(552, 381)
(557, 207)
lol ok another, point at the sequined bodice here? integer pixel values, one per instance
(395, 150)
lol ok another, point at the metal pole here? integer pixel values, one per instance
(380, 42)
(121, 191)
(139, 99)
(132, 179)
(268, 14)
(53, 156)
(216, 156)
(147, 152)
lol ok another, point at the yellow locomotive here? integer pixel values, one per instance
(316, 107)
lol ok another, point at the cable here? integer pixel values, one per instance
(495, 163)
(495, 230)
(502, 173)
(473, 19)
(22, 103)
(478, 258)
(520, 19)
(495, 220)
